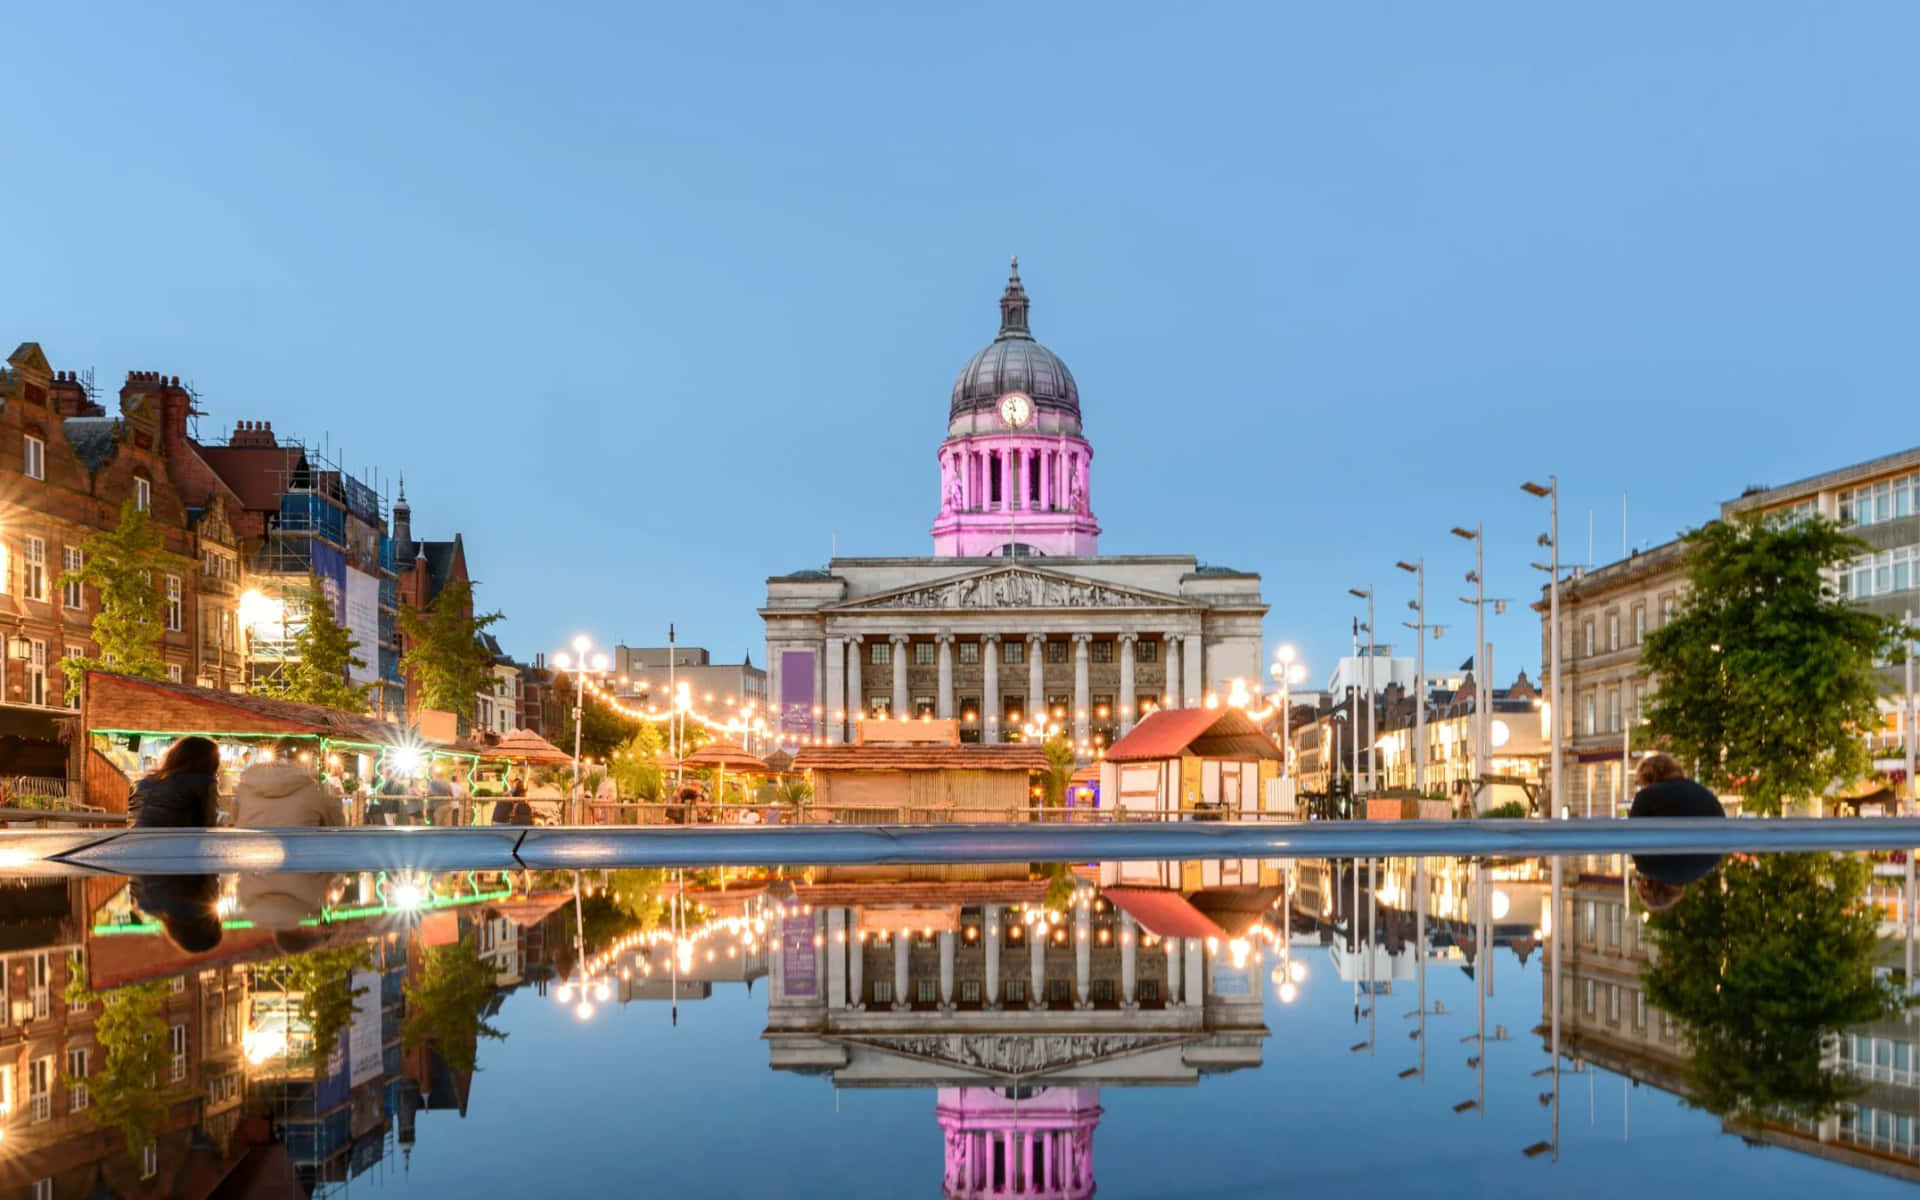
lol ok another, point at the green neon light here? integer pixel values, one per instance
(331, 915)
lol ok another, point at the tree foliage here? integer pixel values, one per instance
(324, 980)
(444, 653)
(1765, 675)
(448, 997)
(323, 654)
(1760, 961)
(639, 895)
(1060, 767)
(605, 730)
(635, 765)
(126, 1092)
(123, 566)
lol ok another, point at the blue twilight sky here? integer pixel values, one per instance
(653, 301)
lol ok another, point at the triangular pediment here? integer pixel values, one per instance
(1019, 1056)
(29, 357)
(1013, 587)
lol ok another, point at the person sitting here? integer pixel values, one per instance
(279, 793)
(186, 906)
(183, 792)
(1665, 791)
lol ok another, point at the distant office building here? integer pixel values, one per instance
(643, 671)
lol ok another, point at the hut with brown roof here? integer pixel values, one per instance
(919, 771)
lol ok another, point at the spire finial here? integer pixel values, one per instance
(1013, 306)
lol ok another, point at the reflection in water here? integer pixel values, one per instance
(1011, 1009)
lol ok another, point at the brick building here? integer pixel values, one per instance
(67, 469)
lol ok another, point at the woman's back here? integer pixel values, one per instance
(183, 800)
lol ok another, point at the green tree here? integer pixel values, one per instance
(123, 567)
(605, 731)
(1756, 993)
(635, 765)
(639, 895)
(324, 980)
(1765, 675)
(444, 653)
(448, 998)
(323, 654)
(1059, 773)
(131, 1031)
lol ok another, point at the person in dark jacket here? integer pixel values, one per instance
(513, 809)
(185, 906)
(183, 792)
(1665, 791)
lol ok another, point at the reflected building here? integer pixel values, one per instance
(1016, 1014)
(1605, 1020)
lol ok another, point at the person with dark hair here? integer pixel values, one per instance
(184, 905)
(183, 792)
(513, 809)
(1665, 791)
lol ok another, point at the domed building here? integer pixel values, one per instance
(1016, 625)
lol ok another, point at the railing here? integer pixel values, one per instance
(553, 810)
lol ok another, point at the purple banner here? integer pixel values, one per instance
(797, 956)
(796, 692)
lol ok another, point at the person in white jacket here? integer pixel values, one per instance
(280, 793)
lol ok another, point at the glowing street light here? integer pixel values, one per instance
(582, 660)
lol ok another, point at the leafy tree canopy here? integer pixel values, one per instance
(605, 730)
(123, 566)
(1765, 674)
(323, 654)
(444, 652)
(324, 980)
(1060, 765)
(1757, 992)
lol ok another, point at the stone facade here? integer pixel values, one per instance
(1086, 644)
(1016, 625)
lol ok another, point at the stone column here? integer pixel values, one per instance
(1082, 698)
(1176, 958)
(856, 692)
(1191, 662)
(833, 704)
(1037, 982)
(1083, 953)
(1129, 960)
(902, 946)
(836, 958)
(1129, 706)
(1170, 692)
(1195, 987)
(856, 963)
(1037, 679)
(946, 970)
(991, 996)
(944, 705)
(900, 697)
(990, 691)
(817, 725)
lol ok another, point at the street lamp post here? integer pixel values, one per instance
(1483, 687)
(1418, 568)
(1556, 712)
(581, 661)
(1367, 595)
(1287, 671)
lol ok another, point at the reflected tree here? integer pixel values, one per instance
(323, 979)
(639, 896)
(447, 1000)
(1759, 962)
(127, 1092)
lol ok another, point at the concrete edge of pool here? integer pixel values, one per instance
(194, 851)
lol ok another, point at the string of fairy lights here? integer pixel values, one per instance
(750, 720)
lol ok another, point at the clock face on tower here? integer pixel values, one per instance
(1016, 409)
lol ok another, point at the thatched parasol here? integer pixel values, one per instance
(723, 755)
(524, 745)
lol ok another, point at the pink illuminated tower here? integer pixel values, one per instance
(1040, 1145)
(1014, 470)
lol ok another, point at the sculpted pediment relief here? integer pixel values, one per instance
(1015, 587)
(1021, 1054)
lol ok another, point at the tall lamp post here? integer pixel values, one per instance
(1287, 671)
(1367, 595)
(1556, 712)
(1418, 568)
(1482, 687)
(581, 660)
